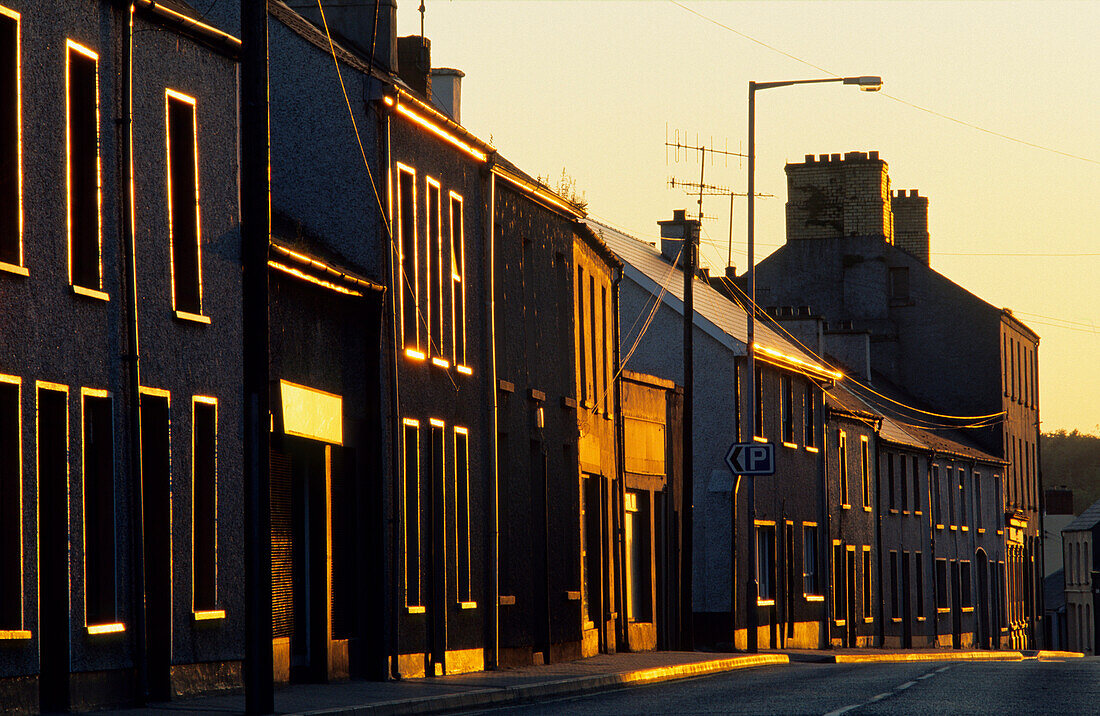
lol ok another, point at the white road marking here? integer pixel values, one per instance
(942, 669)
(843, 710)
(906, 685)
(926, 676)
(878, 697)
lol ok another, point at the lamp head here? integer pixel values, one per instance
(866, 83)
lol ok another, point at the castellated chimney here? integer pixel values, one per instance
(831, 197)
(357, 25)
(911, 223)
(414, 63)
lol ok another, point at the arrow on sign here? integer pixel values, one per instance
(751, 458)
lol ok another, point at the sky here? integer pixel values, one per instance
(596, 89)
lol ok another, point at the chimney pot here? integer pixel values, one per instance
(447, 91)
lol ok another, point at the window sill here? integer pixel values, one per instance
(90, 292)
(893, 511)
(939, 527)
(965, 528)
(116, 628)
(414, 354)
(758, 439)
(866, 508)
(467, 605)
(845, 507)
(790, 445)
(814, 597)
(917, 513)
(968, 609)
(954, 527)
(981, 530)
(14, 634)
(464, 370)
(192, 317)
(868, 620)
(441, 363)
(811, 448)
(17, 270)
(896, 620)
(416, 610)
(203, 615)
(839, 622)
(943, 610)
(922, 619)
(765, 602)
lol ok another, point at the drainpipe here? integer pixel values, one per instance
(876, 501)
(489, 207)
(126, 219)
(825, 546)
(620, 516)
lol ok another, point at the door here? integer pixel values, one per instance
(956, 606)
(53, 535)
(156, 481)
(789, 581)
(850, 596)
(540, 552)
(592, 555)
(984, 631)
(906, 597)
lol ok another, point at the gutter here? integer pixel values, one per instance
(208, 35)
(493, 449)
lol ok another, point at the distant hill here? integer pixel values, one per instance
(1072, 460)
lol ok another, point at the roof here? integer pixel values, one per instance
(1054, 591)
(1086, 520)
(718, 316)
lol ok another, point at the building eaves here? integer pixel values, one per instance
(598, 244)
(180, 17)
(292, 243)
(1087, 519)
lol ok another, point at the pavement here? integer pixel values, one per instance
(530, 684)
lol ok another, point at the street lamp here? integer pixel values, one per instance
(865, 84)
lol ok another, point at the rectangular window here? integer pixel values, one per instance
(961, 502)
(917, 489)
(433, 254)
(937, 505)
(964, 583)
(85, 267)
(595, 338)
(899, 284)
(184, 228)
(952, 488)
(811, 417)
(868, 600)
(758, 424)
(603, 350)
(11, 505)
(765, 564)
(811, 579)
(918, 595)
(204, 505)
(638, 582)
(895, 586)
(11, 146)
(904, 482)
(99, 508)
(411, 514)
(787, 408)
(890, 481)
(840, 602)
(941, 584)
(458, 283)
(1012, 367)
(977, 500)
(842, 458)
(582, 343)
(409, 278)
(865, 467)
(462, 515)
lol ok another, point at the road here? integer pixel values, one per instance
(1031, 687)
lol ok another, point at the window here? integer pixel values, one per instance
(937, 505)
(865, 467)
(409, 277)
(952, 514)
(11, 170)
(458, 283)
(811, 418)
(1012, 367)
(890, 482)
(904, 482)
(811, 580)
(638, 556)
(962, 498)
(787, 408)
(11, 505)
(899, 284)
(433, 254)
(603, 349)
(842, 457)
(85, 268)
(183, 203)
(868, 600)
(582, 344)
(765, 564)
(594, 334)
(978, 500)
(411, 515)
(919, 593)
(840, 601)
(462, 515)
(758, 425)
(895, 586)
(941, 584)
(204, 505)
(917, 489)
(964, 578)
(99, 508)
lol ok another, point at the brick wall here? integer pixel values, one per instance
(830, 197)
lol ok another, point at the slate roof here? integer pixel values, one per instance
(1086, 520)
(1054, 591)
(717, 315)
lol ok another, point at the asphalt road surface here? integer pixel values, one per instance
(1023, 687)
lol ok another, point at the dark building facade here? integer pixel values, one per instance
(863, 266)
(121, 356)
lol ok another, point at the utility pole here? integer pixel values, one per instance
(680, 227)
(255, 234)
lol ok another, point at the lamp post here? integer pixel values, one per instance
(866, 84)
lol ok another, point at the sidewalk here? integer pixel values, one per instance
(477, 690)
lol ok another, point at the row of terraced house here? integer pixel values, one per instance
(476, 392)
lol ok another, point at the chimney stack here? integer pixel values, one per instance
(447, 92)
(352, 24)
(672, 235)
(414, 63)
(911, 223)
(833, 196)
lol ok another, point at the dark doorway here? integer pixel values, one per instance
(591, 519)
(53, 536)
(850, 597)
(906, 604)
(540, 552)
(789, 581)
(156, 481)
(984, 622)
(956, 606)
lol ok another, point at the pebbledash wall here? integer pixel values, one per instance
(74, 638)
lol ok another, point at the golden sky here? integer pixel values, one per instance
(594, 88)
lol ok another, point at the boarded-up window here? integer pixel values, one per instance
(11, 512)
(83, 168)
(183, 203)
(99, 509)
(205, 504)
(11, 251)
